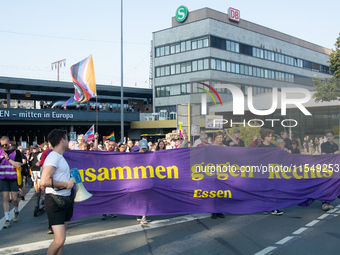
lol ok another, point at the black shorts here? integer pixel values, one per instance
(9, 185)
(55, 214)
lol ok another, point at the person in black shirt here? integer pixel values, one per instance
(329, 147)
(287, 141)
(235, 141)
(295, 145)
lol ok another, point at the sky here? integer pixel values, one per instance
(35, 33)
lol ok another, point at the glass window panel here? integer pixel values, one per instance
(175, 90)
(286, 60)
(213, 64)
(163, 91)
(167, 91)
(254, 71)
(157, 52)
(218, 65)
(167, 70)
(250, 70)
(194, 87)
(258, 72)
(232, 46)
(228, 67)
(223, 66)
(183, 68)
(258, 52)
(162, 71)
(276, 75)
(228, 45)
(172, 49)
(182, 46)
(158, 92)
(162, 51)
(173, 69)
(246, 89)
(261, 53)
(254, 52)
(200, 64)
(199, 44)
(188, 45)
(265, 54)
(194, 65)
(205, 42)
(265, 73)
(166, 48)
(206, 64)
(158, 71)
(233, 67)
(242, 69)
(237, 47)
(178, 68)
(183, 89)
(188, 67)
(246, 70)
(178, 48)
(237, 68)
(188, 88)
(194, 45)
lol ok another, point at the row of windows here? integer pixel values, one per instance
(232, 46)
(187, 88)
(182, 46)
(225, 66)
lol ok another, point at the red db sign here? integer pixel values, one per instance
(234, 14)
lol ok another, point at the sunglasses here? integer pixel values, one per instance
(3, 145)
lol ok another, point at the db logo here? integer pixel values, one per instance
(234, 14)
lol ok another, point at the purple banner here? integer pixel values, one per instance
(202, 180)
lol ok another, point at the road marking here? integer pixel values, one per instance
(338, 211)
(312, 223)
(284, 240)
(333, 210)
(266, 250)
(28, 197)
(323, 216)
(299, 231)
(102, 234)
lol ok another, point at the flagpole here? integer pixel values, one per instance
(96, 113)
(121, 80)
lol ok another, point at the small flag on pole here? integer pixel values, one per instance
(89, 136)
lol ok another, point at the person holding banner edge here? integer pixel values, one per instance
(59, 187)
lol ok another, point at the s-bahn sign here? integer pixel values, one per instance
(182, 13)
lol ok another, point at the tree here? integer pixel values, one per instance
(329, 89)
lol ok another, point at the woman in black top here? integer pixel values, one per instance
(295, 145)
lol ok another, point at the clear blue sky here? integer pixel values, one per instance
(35, 33)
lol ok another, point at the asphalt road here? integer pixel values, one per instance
(298, 231)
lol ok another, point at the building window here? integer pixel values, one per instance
(166, 49)
(206, 64)
(178, 48)
(157, 52)
(199, 44)
(173, 69)
(200, 65)
(213, 64)
(205, 42)
(194, 65)
(178, 68)
(223, 66)
(167, 70)
(194, 45)
(173, 49)
(182, 46)
(188, 45)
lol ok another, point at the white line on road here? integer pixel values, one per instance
(102, 234)
(323, 216)
(333, 210)
(299, 231)
(284, 240)
(312, 223)
(21, 206)
(266, 250)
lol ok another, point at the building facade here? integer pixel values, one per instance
(208, 47)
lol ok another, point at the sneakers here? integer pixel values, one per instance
(35, 194)
(277, 212)
(327, 207)
(113, 215)
(50, 231)
(10, 201)
(16, 216)
(220, 215)
(139, 218)
(214, 216)
(7, 224)
(103, 217)
(143, 221)
(23, 198)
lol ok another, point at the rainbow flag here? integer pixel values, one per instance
(89, 136)
(111, 137)
(84, 82)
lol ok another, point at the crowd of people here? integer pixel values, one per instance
(47, 169)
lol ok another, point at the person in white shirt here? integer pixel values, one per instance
(56, 179)
(172, 144)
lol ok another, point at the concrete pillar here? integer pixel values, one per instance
(71, 128)
(8, 91)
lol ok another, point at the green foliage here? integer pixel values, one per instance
(329, 88)
(334, 59)
(248, 133)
